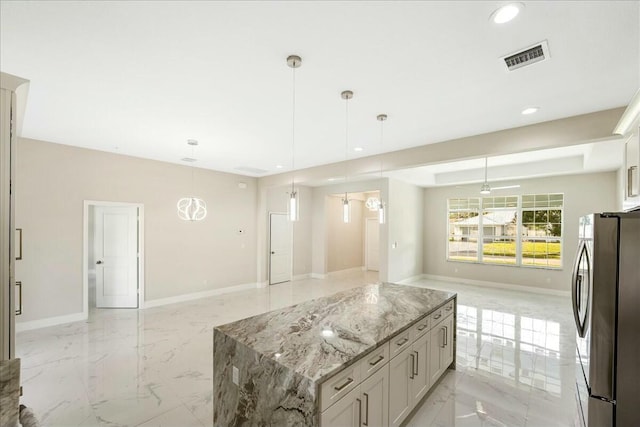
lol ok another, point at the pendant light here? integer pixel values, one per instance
(346, 203)
(381, 207)
(192, 208)
(293, 61)
(485, 189)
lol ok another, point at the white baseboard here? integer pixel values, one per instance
(198, 295)
(263, 284)
(499, 285)
(409, 280)
(49, 321)
(345, 271)
(302, 276)
(318, 276)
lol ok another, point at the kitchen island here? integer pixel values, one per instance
(369, 353)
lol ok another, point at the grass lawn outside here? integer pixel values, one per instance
(542, 250)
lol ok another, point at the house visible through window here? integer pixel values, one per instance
(508, 230)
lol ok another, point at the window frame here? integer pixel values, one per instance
(519, 238)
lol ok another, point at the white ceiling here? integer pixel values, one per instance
(140, 78)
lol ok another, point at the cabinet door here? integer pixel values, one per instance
(400, 377)
(345, 412)
(421, 378)
(374, 393)
(447, 350)
(436, 344)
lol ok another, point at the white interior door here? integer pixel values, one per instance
(116, 254)
(372, 244)
(280, 258)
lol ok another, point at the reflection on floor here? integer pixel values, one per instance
(153, 367)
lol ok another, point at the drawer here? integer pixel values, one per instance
(448, 308)
(374, 361)
(400, 342)
(339, 385)
(421, 327)
(436, 317)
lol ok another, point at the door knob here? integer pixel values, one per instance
(272, 252)
(99, 262)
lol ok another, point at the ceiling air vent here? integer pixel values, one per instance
(537, 53)
(188, 159)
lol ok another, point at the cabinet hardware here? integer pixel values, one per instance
(359, 412)
(449, 308)
(378, 360)
(346, 383)
(402, 341)
(417, 363)
(444, 337)
(437, 316)
(421, 327)
(446, 332)
(366, 409)
(413, 363)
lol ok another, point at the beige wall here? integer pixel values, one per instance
(583, 194)
(344, 241)
(180, 257)
(405, 220)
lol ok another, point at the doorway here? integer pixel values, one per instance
(113, 255)
(372, 244)
(280, 251)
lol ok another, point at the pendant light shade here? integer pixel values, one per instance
(381, 206)
(294, 206)
(346, 206)
(293, 61)
(346, 209)
(192, 208)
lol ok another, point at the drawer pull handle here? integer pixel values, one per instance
(403, 341)
(421, 327)
(444, 337)
(346, 383)
(366, 409)
(413, 365)
(448, 308)
(417, 363)
(378, 360)
(437, 316)
(359, 412)
(446, 332)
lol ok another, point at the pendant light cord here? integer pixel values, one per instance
(293, 132)
(346, 141)
(486, 159)
(381, 145)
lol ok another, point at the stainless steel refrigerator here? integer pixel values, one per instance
(606, 306)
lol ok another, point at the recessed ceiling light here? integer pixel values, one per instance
(530, 110)
(358, 149)
(506, 13)
(278, 166)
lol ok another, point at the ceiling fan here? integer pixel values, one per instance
(486, 188)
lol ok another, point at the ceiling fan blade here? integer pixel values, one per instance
(506, 187)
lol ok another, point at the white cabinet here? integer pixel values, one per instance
(345, 412)
(400, 375)
(366, 405)
(631, 179)
(421, 380)
(374, 393)
(440, 349)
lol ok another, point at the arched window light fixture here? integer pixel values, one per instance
(192, 208)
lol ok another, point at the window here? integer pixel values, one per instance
(507, 230)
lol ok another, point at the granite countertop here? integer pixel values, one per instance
(318, 338)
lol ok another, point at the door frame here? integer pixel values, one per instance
(269, 248)
(85, 250)
(367, 222)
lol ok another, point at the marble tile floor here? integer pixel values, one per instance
(153, 367)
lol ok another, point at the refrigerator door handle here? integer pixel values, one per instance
(576, 288)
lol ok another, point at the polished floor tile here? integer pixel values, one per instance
(153, 367)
